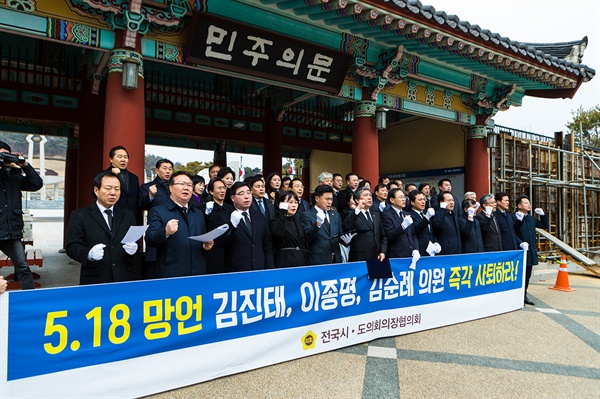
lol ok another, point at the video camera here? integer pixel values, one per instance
(7, 157)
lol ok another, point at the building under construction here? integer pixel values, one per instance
(560, 175)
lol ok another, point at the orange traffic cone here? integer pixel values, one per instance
(562, 278)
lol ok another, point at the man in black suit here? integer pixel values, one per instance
(323, 228)
(506, 222)
(169, 227)
(247, 243)
(297, 187)
(152, 194)
(370, 241)
(444, 186)
(445, 225)
(130, 184)
(351, 186)
(421, 217)
(398, 226)
(490, 230)
(260, 202)
(525, 226)
(95, 233)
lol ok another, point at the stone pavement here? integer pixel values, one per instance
(550, 350)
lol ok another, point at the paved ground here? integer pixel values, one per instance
(551, 350)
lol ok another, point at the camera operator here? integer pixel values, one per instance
(12, 183)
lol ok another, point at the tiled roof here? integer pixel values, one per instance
(550, 54)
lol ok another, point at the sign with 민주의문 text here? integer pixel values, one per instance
(229, 45)
(138, 338)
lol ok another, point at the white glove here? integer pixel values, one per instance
(519, 216)
(539, 211)
(210, 205)
(438, 247)
(382, 206)
(477, 205)
(471, 212)
(320, 216)
(430, 213)
(415, 257)
(236, 216)
(488, 210)
(284, 206)
(443, 205)
(346, 238)
(130, 248)
(524, 245)
(356, 211)
(97, 252)
(407, 222)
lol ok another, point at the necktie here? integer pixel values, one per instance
(368, 216)
(262, 207)
(184, 211)
(247, 221)
(109, 216)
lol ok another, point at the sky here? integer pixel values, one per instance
(531, 21)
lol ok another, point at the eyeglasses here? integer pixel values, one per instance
(182, 184)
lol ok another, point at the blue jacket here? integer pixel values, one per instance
(447, 231)
(506, 222)
(471, 236)
(525, 230)
(177, 255)
(401, 242)
(322, 241)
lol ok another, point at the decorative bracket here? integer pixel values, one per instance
(383, 75)
(487, 106)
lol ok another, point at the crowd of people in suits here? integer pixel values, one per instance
(270, 223)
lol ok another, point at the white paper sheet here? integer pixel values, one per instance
(211, 235)
(133, 234)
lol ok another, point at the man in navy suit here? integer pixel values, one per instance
(297, 186)
(506, 222)
(490, 230)
(380, 195)
(398, 226)
(153, 194)
(169, 227)
(445, 224)
(323, 228)
(247, 243)
(421, 217)
(260, 202)
(95, 232)
(525, 226)
(370, 241)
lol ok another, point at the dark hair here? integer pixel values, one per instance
(390, 184)
(500, 195)
(179, 173)
(440, 196)
(214, 165)
(211, 184)
(295, 179)
(349, 175)
(468, 203)
(198, 179)
(5, 146)
(161, 161)
(521, 198)
(284, 196)
(412, 196)
(422, 186)
(322, 189)
(99, 177)
(225, 171)
(284, 179)
(442, 182)
(381, 179)
(235, 187)
(113, 150)
(335, 175)
(270, 177)
(362, 183)
(253, 180)
(392, 193)
(408, 185)
(379, 187)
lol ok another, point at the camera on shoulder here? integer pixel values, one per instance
(7, 157)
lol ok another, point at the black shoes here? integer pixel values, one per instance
(528, 302)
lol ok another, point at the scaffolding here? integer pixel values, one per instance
(559, 175)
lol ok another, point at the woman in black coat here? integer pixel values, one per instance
(289, 242)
